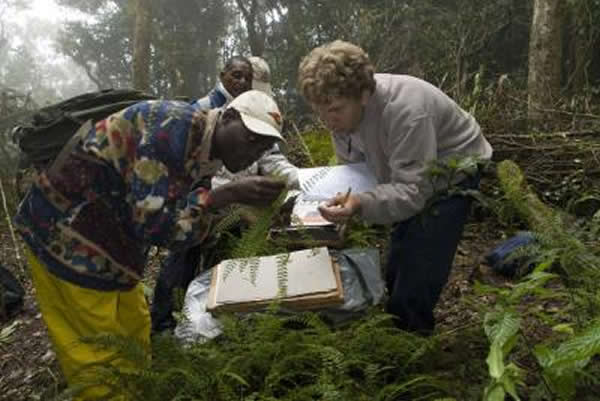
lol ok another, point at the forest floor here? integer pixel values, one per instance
(28, 367)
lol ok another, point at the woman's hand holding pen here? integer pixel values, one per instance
(340, 208)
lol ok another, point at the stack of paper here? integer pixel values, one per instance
(299, 280)
(320, 184)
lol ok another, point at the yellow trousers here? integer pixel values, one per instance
(72, 312)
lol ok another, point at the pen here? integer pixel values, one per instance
(346, 196)
(342, 227)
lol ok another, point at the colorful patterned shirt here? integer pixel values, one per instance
(125, 186)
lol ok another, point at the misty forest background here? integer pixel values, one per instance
(529, 70)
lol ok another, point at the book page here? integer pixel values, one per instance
(309, 271)
(306, 213)
(322, 183)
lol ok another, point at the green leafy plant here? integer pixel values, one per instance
(271, 357)
(562, 242)
(564, 246)
(445, 176)
(319, 146)
(502, 325)
(565, 362)
(502, 328)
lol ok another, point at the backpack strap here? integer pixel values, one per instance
(58, 163)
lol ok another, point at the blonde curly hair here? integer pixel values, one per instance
(335, 69)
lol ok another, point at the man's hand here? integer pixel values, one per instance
(338, 211)
(253, 191)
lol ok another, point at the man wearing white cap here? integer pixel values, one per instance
(124, 186)
(179, 268)
(273, 162)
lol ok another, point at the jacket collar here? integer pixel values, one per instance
(197, 161)
(221, 91)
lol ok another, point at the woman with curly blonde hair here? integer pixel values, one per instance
(399, 126)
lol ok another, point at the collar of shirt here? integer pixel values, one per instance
(221, 88)
(198, 162)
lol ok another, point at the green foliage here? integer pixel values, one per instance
(100, 46)
(244, 252)
(255, 242)
(362, 235)
(564, 363)
(502, 328)
(444, 175)
(255, 239)
(560, 242)
(526, 203)
(269, 357)
(231, 217)
(448, 171)
(320, 145)
(282, 276)
(186, 41)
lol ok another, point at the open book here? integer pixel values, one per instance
(301, 279)
(320, 184)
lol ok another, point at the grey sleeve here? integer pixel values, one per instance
(413, 146)
(275, 163)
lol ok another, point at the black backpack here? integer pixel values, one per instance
(50, 128)
(11, 294)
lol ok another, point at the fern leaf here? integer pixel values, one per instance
(575, 352)
(501, 326)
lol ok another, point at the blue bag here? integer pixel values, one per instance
(502, 259)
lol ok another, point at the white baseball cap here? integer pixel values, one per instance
(259, 113)
(262, 86)
(261, 75)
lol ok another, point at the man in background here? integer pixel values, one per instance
(235, 79)
(273, 162)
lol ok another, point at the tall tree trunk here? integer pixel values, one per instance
(294, 18)
(254, 16)
(582, 34)
(141, 50)
(545, 57)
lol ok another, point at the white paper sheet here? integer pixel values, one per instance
(309, 271)
(322, 183)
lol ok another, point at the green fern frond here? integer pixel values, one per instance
(501, 327)
(531, 284)
(282, 274)
(265, 356)
(253, 265)
(575, 352)
(125, 347)
(398, 390)
(228, 220)
(561, 241)
(331, 358)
